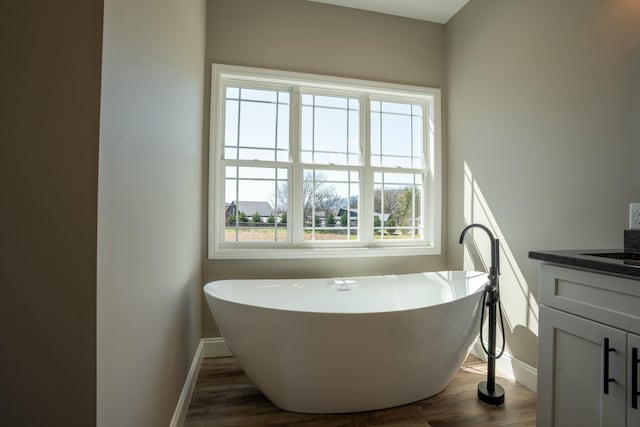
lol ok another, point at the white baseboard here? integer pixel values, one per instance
(208, 347)
(215, 347)
(187, 390)
(512, 368)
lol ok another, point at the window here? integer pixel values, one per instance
(305, 165)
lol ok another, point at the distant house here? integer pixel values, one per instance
(353, 214)
(250, 208)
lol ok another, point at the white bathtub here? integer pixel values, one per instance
(349, 344)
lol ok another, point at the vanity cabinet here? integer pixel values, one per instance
(588, 347)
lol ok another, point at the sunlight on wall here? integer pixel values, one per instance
(519, 306)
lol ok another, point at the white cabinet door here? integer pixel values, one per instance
(572, 390)
(633, 387)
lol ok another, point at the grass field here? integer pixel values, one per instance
(246, 234)
(268, 234)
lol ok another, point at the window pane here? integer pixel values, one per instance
(230, 153)
(396, 134)
(283, 128)
(258, 95)
(233, 93)
(396, 204)
(307, 131)
(353, 158)
(330, 204)
(283, 97)
(231, 124)
(331, 101)
(394, 107)
(396, 140)
(256, 125)
(375, 148)
(330, 129)
(256, 202)
(416, 159)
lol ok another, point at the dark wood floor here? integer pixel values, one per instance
(225, 396)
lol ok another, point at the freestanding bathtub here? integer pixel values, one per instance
(349, 344)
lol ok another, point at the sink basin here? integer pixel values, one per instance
(630, 258)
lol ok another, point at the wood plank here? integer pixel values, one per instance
(225, 396)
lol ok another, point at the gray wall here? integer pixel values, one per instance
(316, 38)
(50, 86)
(149, 208)
(544, 107)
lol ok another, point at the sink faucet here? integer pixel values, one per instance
(488, 391)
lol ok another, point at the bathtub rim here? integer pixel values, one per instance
(479, 290)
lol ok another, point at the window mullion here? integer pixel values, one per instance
(295, 218)
(365, 220)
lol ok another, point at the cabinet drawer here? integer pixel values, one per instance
(607, 299)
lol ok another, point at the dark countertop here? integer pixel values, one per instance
(588, 259)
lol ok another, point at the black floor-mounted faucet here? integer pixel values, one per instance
(488, 391)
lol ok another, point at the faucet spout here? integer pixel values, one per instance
(494, 270)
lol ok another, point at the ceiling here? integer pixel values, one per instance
(427, 10)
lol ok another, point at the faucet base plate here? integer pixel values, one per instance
(495, 397)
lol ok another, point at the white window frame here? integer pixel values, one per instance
(364, 90)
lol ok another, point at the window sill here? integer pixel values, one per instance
(314, 253)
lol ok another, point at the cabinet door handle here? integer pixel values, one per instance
(606, 379)
(634, 378)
